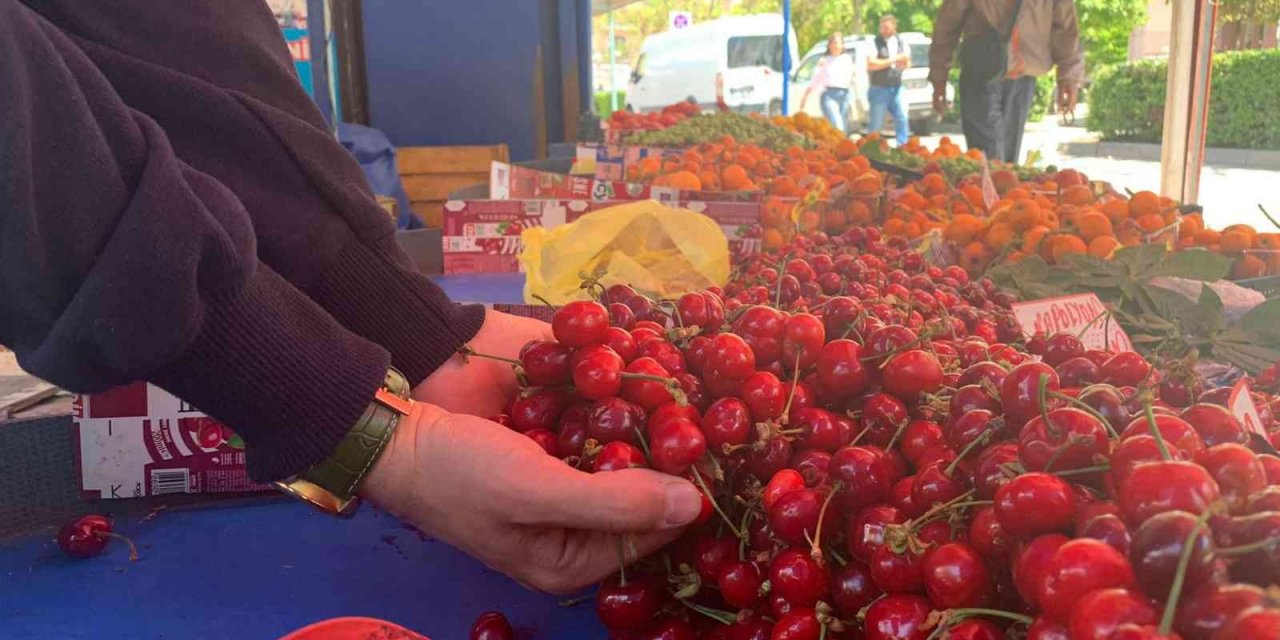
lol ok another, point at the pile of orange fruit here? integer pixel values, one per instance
(818, 130)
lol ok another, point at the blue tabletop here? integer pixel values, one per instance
(258, 572)
(506, 288)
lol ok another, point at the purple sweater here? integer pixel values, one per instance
(173, 209)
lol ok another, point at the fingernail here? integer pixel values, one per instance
(684, 503)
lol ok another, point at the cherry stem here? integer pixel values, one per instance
(786, 411)
(1155, 433)
(742, 541)
(902, 428)
(932, 513)
(673, 387)
(697, 478)
(1081, 471)
(1042, 393)
(1083, 406)
(858, 438)
(960, 614)
(467, 352)
(1246, 549)
(905, 347)
(644, 445)
(968, 448)
(133, 549)
(545, 302)
(1184, 561)
(622, 564)
(815, 551)
(573, 602)
(723, 617)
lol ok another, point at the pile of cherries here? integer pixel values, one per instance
(885, 458)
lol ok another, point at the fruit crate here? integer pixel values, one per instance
(1268, 286)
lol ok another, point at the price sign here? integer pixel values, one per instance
(1073, 314)
(679, 19)
(1241, 405)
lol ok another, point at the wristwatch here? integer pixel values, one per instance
(330, 485)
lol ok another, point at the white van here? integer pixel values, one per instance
(918, 93)
(732, 63)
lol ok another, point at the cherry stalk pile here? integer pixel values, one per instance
(884, 458)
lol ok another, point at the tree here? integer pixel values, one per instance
(1247, 24)
(1105, 26)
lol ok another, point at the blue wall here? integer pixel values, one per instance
(456, 73)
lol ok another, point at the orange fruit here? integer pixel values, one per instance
(1103, 246)
(1015, 256)
(1268, 241)
(975, 257)
(1066, 244)
(1150, 222)
(1017, 193)
(894, 226)
(912, 200)
(859, 213)
(1245, 229)
(866, 184)
(1116, 210)
(1144, 203)
(1208, 237)
(1129, 236)
(1024, 214)
(846, 149)
(1032, 239)
(933, 183)
(1093, 224)
(1235, 241)
(1191, 225)
(835, 221)
(1247, 266)
(710, 181)
(679, 180)
(962, 229)
(1004, 180)
(999, 235)
(772, 240)
(733, 177)
(912, 230)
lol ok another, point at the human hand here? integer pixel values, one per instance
(1067, 95)
(940, 105)
(496, 495)
(481, 386)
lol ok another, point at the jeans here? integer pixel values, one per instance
(994, 114)
(835, 105)
(890, 100)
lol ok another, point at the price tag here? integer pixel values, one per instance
(1240, 403)
(1073, 314)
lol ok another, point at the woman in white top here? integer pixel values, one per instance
(831, 80)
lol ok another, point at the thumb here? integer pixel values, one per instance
(629, 500)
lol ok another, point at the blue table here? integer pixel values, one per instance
(257, 572)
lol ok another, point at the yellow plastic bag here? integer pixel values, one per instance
(658, 250)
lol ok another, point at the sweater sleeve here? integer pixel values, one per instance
(119, 262)
(947, 28)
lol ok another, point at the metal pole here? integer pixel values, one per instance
(613, 50)
(786, 55)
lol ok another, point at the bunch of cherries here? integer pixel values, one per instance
(884, 457)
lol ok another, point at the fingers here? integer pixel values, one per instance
(583, 558)
(631, 500)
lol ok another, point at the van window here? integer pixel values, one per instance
(919, 54)
(641, 68)
(756, 51)
(805, 73)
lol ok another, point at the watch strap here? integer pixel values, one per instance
(331, 484)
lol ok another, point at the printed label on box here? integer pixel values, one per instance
(140, 441)
(1071, 314)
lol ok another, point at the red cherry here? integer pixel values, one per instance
(918, 437)
(797, 577)
(1020, 393)
(1069, 439)
(1108, 402)
(989, 473)
(933, 485)
(1208, 610)
(675, 445)
(1175, 431)
(1107, 528)
(1254, 622)
(1262, 565)
(1156, 487)
(883, 416)
(617, 455)
(794, 516)
(581, 323)
(1029, 565)
(1126, 369)
(867, 528)
(1061, 347)
(492, 625)
(727, 422)
(783, 482)
(670, 629)
(955, 576)
(545, 363)
(1079, 372)
(85, 537)
(1046, 629)
(597, 373)
(622, 343)
(1271, 464)
(665, 353)
(614, 419)
(974, 629)
(764, 395)
(897, 572)
(631, 606)
(971, 398)
(1035, 503)
(911, 373)
(1238, 472)
(740, 584)
(647, 393)
(1077, 568)
(852, 589)
(863, 474)
(983, 373)
(621, 316)
(812, 465)
(898, 617)
(543, 438)
(730, 356)
(1266, 500)
(1157, 549)
(767, 458)
(840, 369)
(1097, 615)
(803, 337)
(1215, 424)
(987, 536)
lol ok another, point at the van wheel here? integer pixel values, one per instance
(775, 107)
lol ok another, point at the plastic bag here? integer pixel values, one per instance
(659, 251)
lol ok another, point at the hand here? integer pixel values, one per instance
(1067, 94)
(940, 105)
(480, 386)
(496, 495)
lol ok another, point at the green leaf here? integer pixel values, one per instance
(1167, 304)
(1262, 323)
(1140, 260)
(1194, 264)
(1251, 357)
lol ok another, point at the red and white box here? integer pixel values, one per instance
(1082, 314)
(139, 441)
(483, 236)
(509, 182)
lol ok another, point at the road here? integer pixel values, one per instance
(1229, 195)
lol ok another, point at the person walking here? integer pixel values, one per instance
(831, 82)
(1003, 46)
(884, 96)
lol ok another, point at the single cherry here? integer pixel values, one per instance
(581, 323)
(956, 576)
(1035, 503)
(1077, 568)
(492, 625)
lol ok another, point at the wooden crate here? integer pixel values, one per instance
(430, 174)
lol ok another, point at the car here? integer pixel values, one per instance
(732, 63)
(915, 81)
(600, 77)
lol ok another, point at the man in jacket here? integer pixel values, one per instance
(885, 74)
(1040, 34)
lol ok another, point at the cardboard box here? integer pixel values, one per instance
(140, 441)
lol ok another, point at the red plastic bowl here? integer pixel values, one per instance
(354, 629)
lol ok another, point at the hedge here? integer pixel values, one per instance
(1126, 102)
